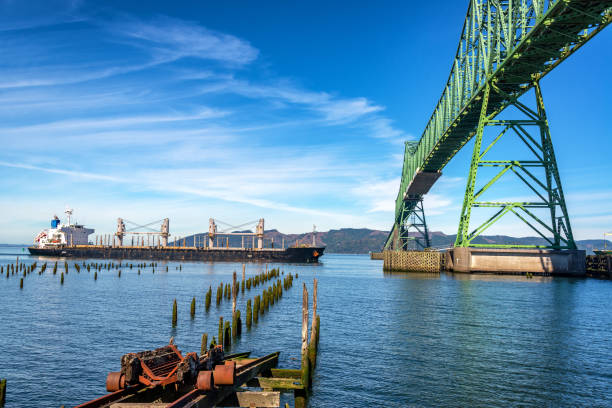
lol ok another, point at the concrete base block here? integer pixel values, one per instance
(516, 261)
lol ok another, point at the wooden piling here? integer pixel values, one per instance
(256, 310)
(304, 349)
(219, 294)
(2, 391)
(264, 298)
(249, 314)
(314, 311)
(193, 307)
(318, 328)
(235, 323)
(96, 275)
(304, 320)
(174, 313)
(204, 344)
(227, 335)
(21, 284)
(221, 330)
(234, 290)
(207, 299)
(62, 278)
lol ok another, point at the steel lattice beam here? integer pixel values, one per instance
(511, 43)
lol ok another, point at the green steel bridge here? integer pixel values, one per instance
(506, 47)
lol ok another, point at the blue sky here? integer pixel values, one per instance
(292, 111)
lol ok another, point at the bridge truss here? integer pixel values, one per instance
(506, 47)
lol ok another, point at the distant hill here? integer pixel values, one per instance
(363, 240)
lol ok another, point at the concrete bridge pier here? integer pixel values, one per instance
(516, 261)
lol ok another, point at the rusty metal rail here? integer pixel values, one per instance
(243, 373)
(164, 376)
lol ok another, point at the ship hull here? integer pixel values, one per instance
(288, 255)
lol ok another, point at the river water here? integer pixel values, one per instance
(393, 340)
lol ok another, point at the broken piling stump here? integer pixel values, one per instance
(2, 391)
(174, 313)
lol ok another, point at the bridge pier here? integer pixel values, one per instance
(514, 261)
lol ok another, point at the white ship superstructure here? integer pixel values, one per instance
(63, 234)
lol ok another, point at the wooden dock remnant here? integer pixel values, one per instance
(599, 266)
(377, 256)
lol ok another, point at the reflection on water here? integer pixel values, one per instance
(466, 276)
(387, 339)
(411, 275)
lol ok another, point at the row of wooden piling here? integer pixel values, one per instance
(228, 331)
(226, 290)
(16, 268)
(25, 270)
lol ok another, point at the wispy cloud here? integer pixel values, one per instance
(171, 39)
(21, 15)
(63, 172)
(85, 125)
(208, 183)
(66, 75)
(333, 110)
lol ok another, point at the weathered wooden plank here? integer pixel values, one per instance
(286, 373)
(139, 405)
(270, 383)
(259, 399)
(243, 361)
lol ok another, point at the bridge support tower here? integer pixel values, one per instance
(532, 130)
(413, 232)
(546, 215)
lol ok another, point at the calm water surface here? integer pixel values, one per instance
(391, 340)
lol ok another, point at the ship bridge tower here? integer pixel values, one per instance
(212, 232)
(120, 231)
(260, 233)
(69, 215)
(165, 231)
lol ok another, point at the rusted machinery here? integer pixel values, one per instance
(166, 377)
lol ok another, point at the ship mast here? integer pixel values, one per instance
(69, 214)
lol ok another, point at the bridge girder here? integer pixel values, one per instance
(507, 43)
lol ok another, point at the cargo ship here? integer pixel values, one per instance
(72, 240)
